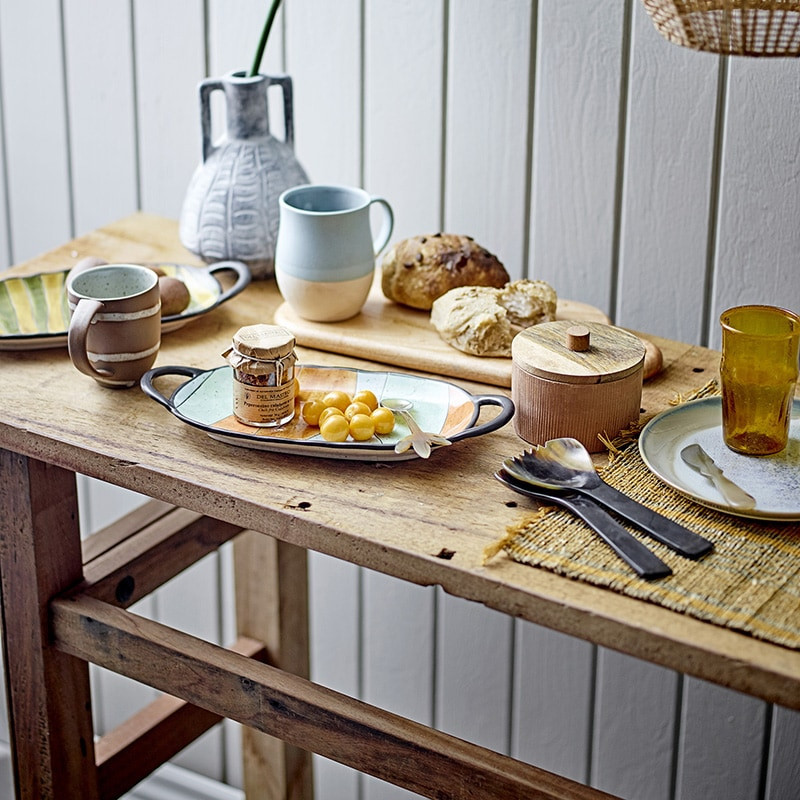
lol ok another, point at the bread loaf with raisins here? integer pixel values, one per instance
(417, 271)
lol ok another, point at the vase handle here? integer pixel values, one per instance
(205, 89)
(285, 82)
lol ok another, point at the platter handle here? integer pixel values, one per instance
(506, 412)
(146, 382)
(243, 278)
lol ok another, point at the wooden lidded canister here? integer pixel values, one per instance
(575, 379)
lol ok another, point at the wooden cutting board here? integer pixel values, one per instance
(404, 337)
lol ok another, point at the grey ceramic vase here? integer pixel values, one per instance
(231, 206)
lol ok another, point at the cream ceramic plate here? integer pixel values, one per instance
(34, 313)
(774, 481)
(205, 401)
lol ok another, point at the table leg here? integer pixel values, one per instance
(272, 606)
(49, 704)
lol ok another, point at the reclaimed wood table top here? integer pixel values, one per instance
(396, 518)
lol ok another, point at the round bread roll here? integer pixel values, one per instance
(417, 271)
(528, 303)
(471, 320)
(482, 320)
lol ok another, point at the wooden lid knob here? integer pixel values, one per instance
(578, 338)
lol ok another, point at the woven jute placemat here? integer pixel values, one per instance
(750, 582)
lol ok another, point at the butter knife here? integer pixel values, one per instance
(699, 460)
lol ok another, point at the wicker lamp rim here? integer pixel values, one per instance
(758, 28)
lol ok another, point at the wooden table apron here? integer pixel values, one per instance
(394, 518)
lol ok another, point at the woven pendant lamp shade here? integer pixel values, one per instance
(730, 27)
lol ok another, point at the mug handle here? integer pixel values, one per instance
(76, 338)
(387, 226)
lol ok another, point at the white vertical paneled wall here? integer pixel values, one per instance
(667, 205)
(102, 111)
(35, 127)
(486, 123)
(404, 90)
(660, 184)
(575, 146)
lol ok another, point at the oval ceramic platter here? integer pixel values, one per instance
(205, 401)
(774, 481)
(34, 313)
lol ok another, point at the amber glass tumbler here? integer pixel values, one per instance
(758, 371)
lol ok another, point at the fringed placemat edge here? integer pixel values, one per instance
(697, 596)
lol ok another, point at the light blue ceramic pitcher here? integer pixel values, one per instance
(325, 254)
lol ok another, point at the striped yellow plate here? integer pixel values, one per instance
(34, 313)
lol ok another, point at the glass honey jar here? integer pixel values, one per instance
(263, 361)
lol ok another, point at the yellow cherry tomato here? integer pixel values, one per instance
(312, 410)
(356, 408)
(383, 419)
(337, 399)
(297, 389)
(366, 397)
(335, 428)
(330, 411)
(362, 427)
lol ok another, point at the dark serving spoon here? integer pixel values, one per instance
(644, 562)
(565, 465)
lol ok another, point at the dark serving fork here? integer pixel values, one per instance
(644, 562)
(565, 465)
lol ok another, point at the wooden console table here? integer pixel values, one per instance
(65, 603)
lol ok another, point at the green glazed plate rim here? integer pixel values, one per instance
(774, 481)
(34, 313)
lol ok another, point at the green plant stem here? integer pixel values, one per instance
(262, 44)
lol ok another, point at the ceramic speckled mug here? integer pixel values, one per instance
(325, 253)
(115, 328)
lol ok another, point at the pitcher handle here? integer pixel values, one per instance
(386, 228)
(285, 82)
(205, 89)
